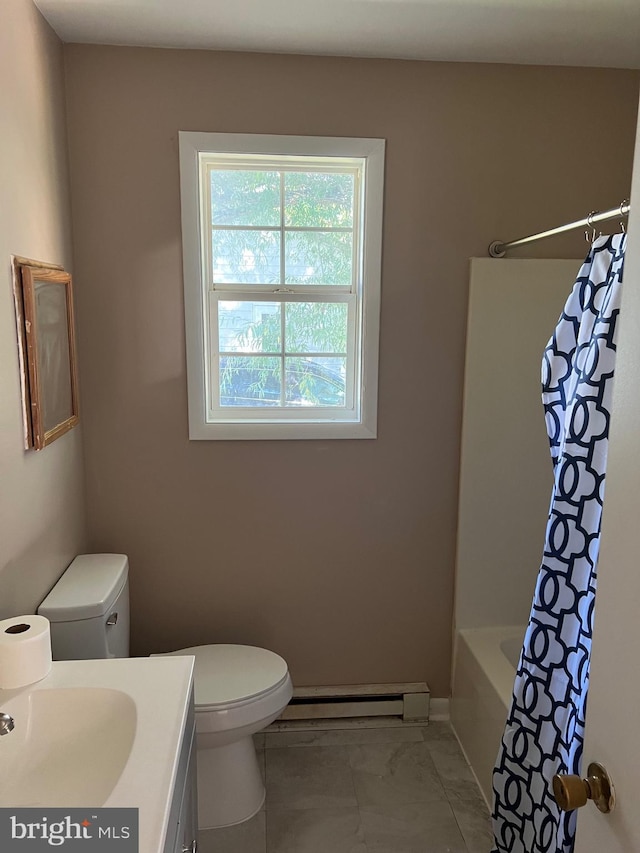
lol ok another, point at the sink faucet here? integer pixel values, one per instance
(6, 724)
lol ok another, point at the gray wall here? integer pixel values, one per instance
(42, 523)
(337, 554)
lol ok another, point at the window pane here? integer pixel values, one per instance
(246, 257)
(315, 381)
(245, 197)
(315, 327)
(312, 258)
(318, 200)
(250, 381)
(249, 326)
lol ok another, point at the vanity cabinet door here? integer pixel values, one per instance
(182, 826)
(186, 841)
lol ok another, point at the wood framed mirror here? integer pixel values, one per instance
(50, 383)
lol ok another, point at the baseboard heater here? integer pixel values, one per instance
(408, 703)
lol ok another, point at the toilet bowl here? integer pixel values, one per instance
(239, 690)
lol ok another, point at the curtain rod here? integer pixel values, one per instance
(497, 249)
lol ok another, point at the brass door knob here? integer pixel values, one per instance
(571, 792)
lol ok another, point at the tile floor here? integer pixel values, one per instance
(393, 790)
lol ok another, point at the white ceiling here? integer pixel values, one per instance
(540, 32)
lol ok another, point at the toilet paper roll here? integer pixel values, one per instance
(25, 651)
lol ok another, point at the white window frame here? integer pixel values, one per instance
(357, 421)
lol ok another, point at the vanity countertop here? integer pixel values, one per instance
(160, 688)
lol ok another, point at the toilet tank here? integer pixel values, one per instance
(89, 609)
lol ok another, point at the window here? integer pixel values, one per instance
(282, 248)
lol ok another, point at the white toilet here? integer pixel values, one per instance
(239, 690)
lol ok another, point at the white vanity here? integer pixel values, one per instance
(108, 733)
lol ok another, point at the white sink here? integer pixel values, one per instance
(68, 748)
(99, 733)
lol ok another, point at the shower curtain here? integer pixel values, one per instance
(545, 725)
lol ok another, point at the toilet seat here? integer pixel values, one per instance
(229, 676)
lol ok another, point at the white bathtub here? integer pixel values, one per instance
(485, 661)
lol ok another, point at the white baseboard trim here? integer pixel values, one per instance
(438, 710)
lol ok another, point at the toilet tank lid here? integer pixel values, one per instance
(88, 588)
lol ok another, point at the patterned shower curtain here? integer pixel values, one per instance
(545, 727)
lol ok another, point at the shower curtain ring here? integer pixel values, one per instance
(591, 239)
(623, 204)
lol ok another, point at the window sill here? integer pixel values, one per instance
(283, 432)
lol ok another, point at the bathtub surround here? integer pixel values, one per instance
(514, 305)
(337, 555)
(502, 414)
(42, 524)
